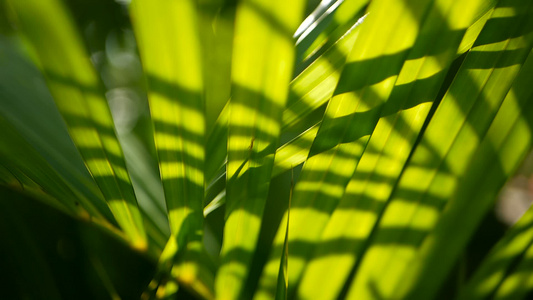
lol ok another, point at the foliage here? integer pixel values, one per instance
(168, 149)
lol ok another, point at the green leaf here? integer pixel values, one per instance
(501, 259)
(263, 57)
(216, 146)
(438, 171)
(35, 135)
(309, 91)
(143, 170)
(216, 22)
(315, 85)
(176, 106)
(178, 113)
(20, 164)
(283, 280)
(365, 84)
(497, 157)
(327, 28)
(79, 96)
(402, 118)
(294, 152)
(518, 284)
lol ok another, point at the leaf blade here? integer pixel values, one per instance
(79, 97)
(262, 63)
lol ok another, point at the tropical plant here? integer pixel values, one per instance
(182, 148)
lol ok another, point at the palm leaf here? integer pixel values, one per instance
(401, 120)
(79, 97)
(388, 149)
(364, 86)
(31, 121)
(261, 68)
(444, 155)
(500, 261)
(177, 111)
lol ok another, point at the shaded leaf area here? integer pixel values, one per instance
(38, 137)
(501, 274)
(216, 25)
(503, 259)
(46, 254)
(35, 130)
(517, 283)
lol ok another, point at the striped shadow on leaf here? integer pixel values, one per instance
(353, 112)
(177, 110)
(392, 140)
(437, 171)
(79, 96)
(263, 59)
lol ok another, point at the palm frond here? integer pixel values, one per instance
(396, 123)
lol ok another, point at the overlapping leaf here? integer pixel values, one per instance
(383, 189)
(438, 170)
(364, 87)
(382, 162)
